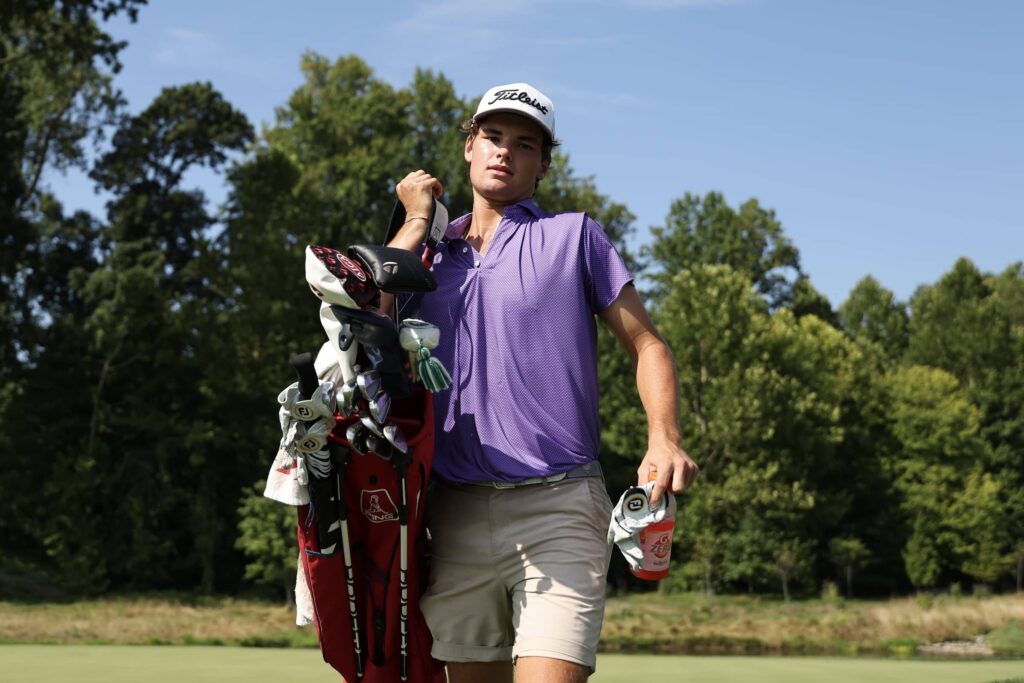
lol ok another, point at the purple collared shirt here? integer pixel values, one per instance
(519, 337)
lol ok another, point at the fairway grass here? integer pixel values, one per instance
(649, 623)
(169, 664)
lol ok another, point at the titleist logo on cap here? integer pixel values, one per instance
(521, 96)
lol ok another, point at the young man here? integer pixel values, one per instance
(519, 515)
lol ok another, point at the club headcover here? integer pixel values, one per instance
(366, 327)
(395, 271)
(414, 333)
(337, 279)
(346, 357)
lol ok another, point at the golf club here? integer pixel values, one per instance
(380, 407)
(340, 458)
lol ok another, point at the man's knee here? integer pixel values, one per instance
(479, 672)
(550, 670)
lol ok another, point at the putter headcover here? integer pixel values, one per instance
(414, 333)
(418, 337)
(337, 279)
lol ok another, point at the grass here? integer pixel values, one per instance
(154, 621)
(693, 624)
(646, 624)
(121, 664)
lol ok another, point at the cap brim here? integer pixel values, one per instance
(520, 112)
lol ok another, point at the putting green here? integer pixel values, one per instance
(124, 664)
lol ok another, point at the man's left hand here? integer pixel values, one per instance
(674, 469)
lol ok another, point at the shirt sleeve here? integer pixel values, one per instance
(604, 271)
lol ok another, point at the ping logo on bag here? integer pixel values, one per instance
(377, 506)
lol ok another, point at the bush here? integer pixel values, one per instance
(1007, 640)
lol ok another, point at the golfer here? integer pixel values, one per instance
(519, 514)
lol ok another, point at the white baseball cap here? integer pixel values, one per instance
(519, 98)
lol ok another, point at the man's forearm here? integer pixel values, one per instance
(409, 237)
(659, 392)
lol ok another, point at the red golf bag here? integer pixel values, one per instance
(363, 543)
(358, 612)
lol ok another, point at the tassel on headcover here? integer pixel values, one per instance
(418, 337)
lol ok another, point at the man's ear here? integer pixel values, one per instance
(544, 165)
(468, 152)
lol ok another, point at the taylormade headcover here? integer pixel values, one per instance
(337, 279)
(633, 514)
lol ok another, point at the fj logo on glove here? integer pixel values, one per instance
(523, 97)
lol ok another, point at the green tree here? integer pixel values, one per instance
(764, 400)
(807, 300)
(57, 67)
(148, 451)
(970, 324)
(1018, 559)
(978, 516)
(266, 536)
(847, 553)
(939, 450)
(707, 230)
(56, 70)
(791, 559)
(872, 313)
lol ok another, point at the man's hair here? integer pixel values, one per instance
(471, 127)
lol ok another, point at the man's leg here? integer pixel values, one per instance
(466, 604)
(482, 672)
(558, 594)
(548, 670)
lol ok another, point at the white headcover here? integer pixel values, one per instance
(324, 283)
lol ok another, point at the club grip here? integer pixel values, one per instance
(308, 381)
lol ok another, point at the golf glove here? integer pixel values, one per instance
(633, 514)
(321, 404)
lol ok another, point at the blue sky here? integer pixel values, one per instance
(887, 135)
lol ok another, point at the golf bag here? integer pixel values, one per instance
(359, 447)
(372, 496)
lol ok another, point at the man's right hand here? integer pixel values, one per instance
(417, 192)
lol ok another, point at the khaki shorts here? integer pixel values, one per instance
(517, 572)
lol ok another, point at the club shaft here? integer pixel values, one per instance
(403, 578)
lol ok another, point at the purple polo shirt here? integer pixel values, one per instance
(519, 337)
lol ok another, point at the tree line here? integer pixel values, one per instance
(879, 445)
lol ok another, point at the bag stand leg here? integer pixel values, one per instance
(339, 454)
(401, 462)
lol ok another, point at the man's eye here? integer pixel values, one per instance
(523, 145)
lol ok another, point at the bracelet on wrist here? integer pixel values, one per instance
(416, 218)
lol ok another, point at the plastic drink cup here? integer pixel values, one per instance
(656, 543)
